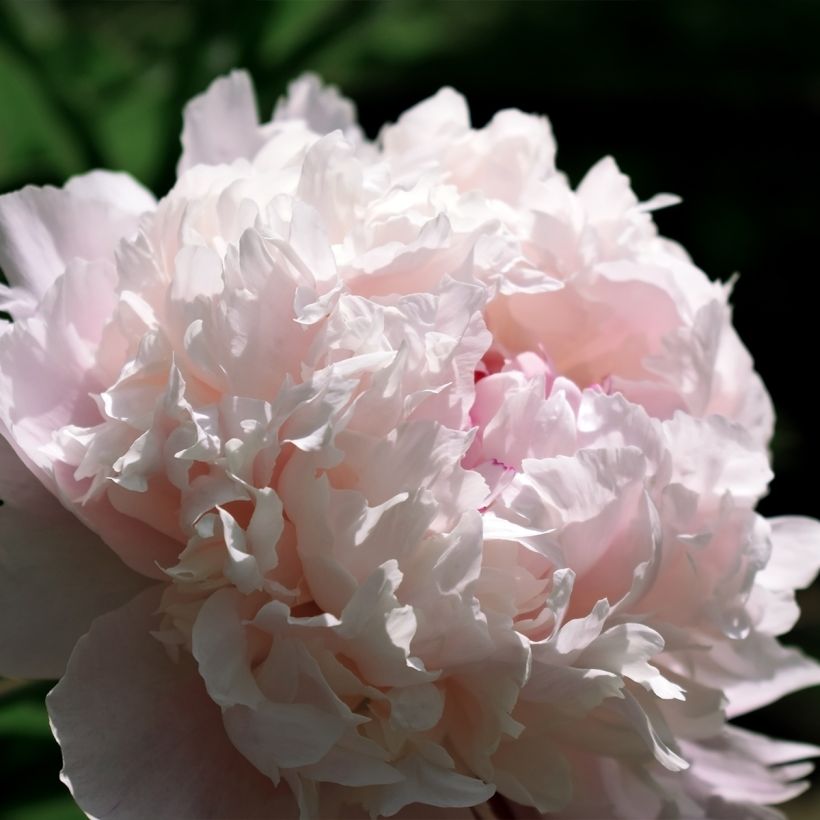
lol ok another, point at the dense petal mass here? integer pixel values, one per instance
(443, 473)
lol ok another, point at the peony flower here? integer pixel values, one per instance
(385, 479)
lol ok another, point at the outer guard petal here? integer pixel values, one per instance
(56, 576)
(140, 736)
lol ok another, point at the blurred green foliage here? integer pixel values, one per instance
(29, 786)
(103, 84)
(717, 101)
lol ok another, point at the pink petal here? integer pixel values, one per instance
(56, 576)
(140, 736)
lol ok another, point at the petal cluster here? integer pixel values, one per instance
(387, 479)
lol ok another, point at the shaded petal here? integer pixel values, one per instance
(746, 768)
(140, 736)
(533, 772)
(752, 672)
(758, 671)
(56, 576)
(432, 784)
(415, 811)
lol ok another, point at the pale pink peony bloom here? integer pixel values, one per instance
(387, 479)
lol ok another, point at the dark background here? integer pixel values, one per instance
(716, 101)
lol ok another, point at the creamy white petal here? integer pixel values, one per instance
(221, 124)
(322, 108)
